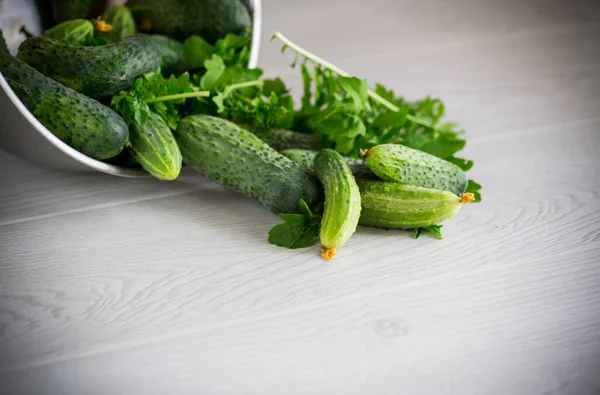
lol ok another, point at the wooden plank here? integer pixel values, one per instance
(156, 267)
(520, 328)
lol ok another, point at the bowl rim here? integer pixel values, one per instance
(107, 168)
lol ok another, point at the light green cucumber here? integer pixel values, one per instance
(235, 158)
(398, 163)
(122, 24)
(342, 201)
(154, 147)
(398, 206)
(306, 159)
(281, 139)
(74, 32)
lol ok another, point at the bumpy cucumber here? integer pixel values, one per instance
(81, 122)
(74, 32)
(97, 72)
(154, 147)
(306, 159)
(237, 159)
(399, 206)
(180, 19)
(172, 59)
(281, 139)
(342, 201)
(122, 24)
(72, 9)
(397, 163)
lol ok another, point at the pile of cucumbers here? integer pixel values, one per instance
(67, 77)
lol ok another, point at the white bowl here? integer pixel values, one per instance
(23, 135)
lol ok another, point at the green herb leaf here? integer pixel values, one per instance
(298, 230)
(196, 51)
(474, 188)
(74, 32)
(464, 164)
(433, 229)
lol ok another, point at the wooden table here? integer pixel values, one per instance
(119, 286)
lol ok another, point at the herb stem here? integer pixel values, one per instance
(287, 43)
(185, 95)
(243, 85)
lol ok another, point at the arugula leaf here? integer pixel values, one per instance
(151, 91)
(232, 49)
(218, 75)
(464, 164)
(474, 188)
(298, 230)
(196, 51)
(433, 229)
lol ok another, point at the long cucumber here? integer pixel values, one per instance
(342, 201)
(306, 159)
(398, 163)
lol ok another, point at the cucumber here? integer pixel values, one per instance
(74, 32)
(83, 123)
(154, 147)
(306, 159)
(121, 21)
(66, 10)
(398, 206)
(172, 59)
(397, 163)
(98, 72)
(342, 201)
(281, 139)
(180, 19)
(237, 159)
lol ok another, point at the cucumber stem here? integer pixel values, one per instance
(185, 95)
(287, 43)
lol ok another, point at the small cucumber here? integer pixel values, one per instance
(81, 122)
(98, 72)
(281, 139)
(233, 157)
(398, 206)
(397, 163)
(121, 22)
(154, 147)
(306, 159)
(342, 201)
(74, 32)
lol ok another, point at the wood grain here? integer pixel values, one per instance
(118, 286)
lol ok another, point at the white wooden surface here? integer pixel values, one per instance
(117, 286)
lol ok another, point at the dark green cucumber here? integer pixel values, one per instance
(172, 60)
(97, 72)
(398, 206)
(237, 159)
(122, 24)
(306, 159)
(398, 163)
(66, 10)
(81, 122)
(180, 19)
(342, 201)
(281, 139)
(74, 32)
(154, 147)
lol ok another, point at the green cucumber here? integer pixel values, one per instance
(180, 19)
(74, 32)
(154, 147)
(122, 24)
(306, 159)
(397, 163)
(66, 10)
(398, 206)
(235, 158)
(281, 139)
(98, 72)
(172, 59)
(83, 123)
(342, 201)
